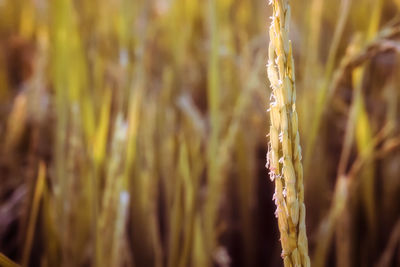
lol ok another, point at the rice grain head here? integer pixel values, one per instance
(284, 155)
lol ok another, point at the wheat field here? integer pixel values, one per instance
(145, 133)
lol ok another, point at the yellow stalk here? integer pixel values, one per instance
(6, 262)
(40, 183)
(284, 154)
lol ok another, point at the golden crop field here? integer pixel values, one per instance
(199, 133)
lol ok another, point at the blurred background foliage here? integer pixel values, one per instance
(132, 133)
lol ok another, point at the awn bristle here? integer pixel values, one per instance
(284, 154)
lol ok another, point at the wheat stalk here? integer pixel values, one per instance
(284, 156)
